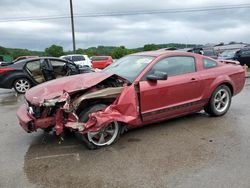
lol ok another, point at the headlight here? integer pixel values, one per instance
(30, 110)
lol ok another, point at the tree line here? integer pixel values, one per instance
(116, 52)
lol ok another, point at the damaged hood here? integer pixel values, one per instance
(70, 84)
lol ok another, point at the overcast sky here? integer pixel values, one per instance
(131, 31)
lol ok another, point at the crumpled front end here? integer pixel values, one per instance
(124, 109)
(62, 111)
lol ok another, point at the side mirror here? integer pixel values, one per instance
(157, 76)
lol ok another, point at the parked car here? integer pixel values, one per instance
(199, 50)
(101, 62)
(136, 90)
(80, 60)
(27, 73)
(241, 55)
(228, 54)
(2, 62)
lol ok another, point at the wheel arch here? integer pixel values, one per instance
(22, 76)
(225, 80)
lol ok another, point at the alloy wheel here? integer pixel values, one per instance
(105, 136)
(22, 85)
(221, 100)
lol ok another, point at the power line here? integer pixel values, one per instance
(131, 13)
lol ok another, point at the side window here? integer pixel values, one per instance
(208, 63)
(33, 66)
(55, 63)
(174, 65)
(58, 67)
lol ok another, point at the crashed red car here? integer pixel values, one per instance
(136, 90)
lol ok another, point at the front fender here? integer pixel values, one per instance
(124, 109)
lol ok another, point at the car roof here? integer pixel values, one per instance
(163, 53)
(39, 58)
(73, 55)
(101, 56)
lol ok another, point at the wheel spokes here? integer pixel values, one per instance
(110, 132)
(93, 134)
(105, 136)
(101, 139)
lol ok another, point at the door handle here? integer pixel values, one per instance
(193, 79)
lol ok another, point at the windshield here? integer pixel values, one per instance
(228, 54)
(129, 67)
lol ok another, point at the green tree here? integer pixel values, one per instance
(20, 52)
(4, 51)
(90, 52)
(54, 50)
(149, 47)
(120, 52)
(80, 51)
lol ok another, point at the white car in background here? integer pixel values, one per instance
(78, 59)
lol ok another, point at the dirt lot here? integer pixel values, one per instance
(193, 151)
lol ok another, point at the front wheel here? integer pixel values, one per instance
(21, 85)
(219, 102)
(105, 136)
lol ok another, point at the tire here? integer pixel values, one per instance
(219, 102)
(21, 85)
(106, 136)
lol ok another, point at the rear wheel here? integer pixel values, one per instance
(105, 136)
(219, 102)
(21, 85)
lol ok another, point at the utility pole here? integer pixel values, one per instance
(72, 26)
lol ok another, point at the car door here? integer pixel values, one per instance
(177, 95)
(59, 67)
(34, 70)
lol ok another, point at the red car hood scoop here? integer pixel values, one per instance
(55, 88)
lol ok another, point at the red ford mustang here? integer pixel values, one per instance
(136, 90)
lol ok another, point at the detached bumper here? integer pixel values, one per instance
(30, 124)
(24, 119)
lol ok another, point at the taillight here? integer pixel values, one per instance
(3, 70)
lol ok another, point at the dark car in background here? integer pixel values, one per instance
(200, 50)
(241, 55)
(24, 74)
(101, 62)
(228, 54)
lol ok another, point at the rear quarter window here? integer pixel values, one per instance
(208, 63)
